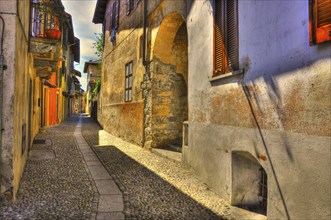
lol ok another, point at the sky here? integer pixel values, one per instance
(82, 14)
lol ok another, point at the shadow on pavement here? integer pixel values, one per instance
(146, 195)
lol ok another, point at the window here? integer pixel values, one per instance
(226, 57)
(128, 82)
(319, 21)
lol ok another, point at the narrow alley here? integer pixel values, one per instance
(64, 179)
(163, 109)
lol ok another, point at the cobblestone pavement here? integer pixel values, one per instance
(153, 187)
(55, 183)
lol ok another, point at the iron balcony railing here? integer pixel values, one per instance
(46, 20)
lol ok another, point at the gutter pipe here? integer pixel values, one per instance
(2, 68)
(145, 62)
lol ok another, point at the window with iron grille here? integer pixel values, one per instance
(226, 55)
(263, 190)
(319, 21)
(128, 82)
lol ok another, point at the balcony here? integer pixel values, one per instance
(48, 19)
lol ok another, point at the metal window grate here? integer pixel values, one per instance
(263, 189)
(128, 82)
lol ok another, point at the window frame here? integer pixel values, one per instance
(224, 60)
(318, 34)
(128, 82)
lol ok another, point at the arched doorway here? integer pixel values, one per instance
(169, 83)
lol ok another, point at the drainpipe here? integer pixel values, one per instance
(145, 62)
(2, 68)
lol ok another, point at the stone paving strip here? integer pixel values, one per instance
(110, 204)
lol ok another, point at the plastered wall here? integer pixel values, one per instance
(278, 111)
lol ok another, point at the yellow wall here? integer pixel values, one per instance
(23, 74)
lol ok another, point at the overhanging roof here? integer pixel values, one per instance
(89, 63)
(99, 11)
(71, 35)
(76, 50)
(77, 73)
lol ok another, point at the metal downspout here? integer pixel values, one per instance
(2, 67)
(145, 62)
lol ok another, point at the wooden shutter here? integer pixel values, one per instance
(319, 21)
(225, 37)
(232, 35)
(219, 46)
(128, 6)
(117, 14)
(103, 32)
(113, 16)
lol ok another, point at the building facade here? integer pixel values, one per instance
(144, 83)
(259, 104)
(34, 36)
(243, 86)
(93, 70)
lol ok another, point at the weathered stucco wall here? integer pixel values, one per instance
(15, 140)
(22, 88)
(6, 165)
(278, 111)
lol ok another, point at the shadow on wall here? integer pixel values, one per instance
(248, 96)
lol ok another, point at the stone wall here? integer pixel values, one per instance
(124, 120)
(114, 112)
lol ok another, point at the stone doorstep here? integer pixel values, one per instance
(175, 156)
(239, 213)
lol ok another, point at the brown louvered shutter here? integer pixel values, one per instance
(232, 35)
(128, 6)
(319, 21)
(113, 17)
(219, 48)
(226, 37)
(117, 15)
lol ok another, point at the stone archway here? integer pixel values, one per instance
(169, 82)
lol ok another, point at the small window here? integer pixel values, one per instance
(226, 55)
(128, 82)
(319, 21)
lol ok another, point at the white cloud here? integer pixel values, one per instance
(82, 14)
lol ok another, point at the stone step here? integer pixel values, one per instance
(175, 156)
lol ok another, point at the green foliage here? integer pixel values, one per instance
(98, 44)
(96, 88)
